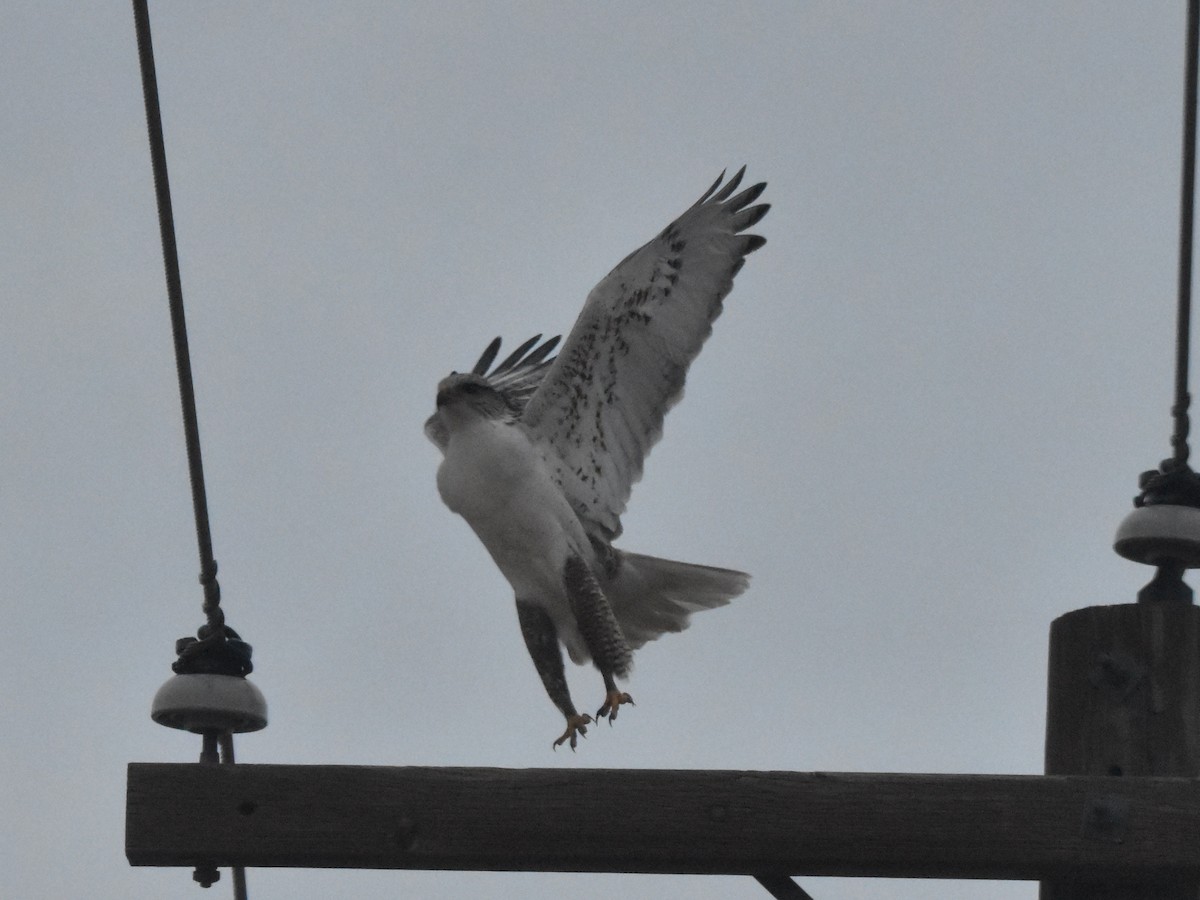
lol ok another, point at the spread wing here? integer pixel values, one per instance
(600, 406)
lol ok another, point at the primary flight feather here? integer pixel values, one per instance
(540, 452)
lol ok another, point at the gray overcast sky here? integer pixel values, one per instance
(918, 422)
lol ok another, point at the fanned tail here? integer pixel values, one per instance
(651, 596)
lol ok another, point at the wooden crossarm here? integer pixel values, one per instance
(718, 822)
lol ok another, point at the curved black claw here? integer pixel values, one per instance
(612, 702)
(576, 725)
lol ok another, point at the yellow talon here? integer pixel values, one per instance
(576, 725)
(612, 702)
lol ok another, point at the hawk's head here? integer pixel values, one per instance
(461, 398)
(500, 394)
(471, 393)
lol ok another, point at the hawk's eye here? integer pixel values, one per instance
(472, 387)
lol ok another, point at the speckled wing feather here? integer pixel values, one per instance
(600, 406)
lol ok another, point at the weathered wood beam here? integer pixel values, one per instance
(1124, 700)
(716, 822)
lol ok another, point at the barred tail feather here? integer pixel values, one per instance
(651, 596)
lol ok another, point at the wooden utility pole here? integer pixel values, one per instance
(1124, 681)
(1123, 703)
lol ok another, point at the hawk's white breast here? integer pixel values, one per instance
(498, 481)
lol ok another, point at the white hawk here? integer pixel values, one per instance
(540, 453)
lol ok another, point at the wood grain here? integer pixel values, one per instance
(719, 822)
(1123, 700)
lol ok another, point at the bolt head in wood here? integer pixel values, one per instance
(1161, 533)
(206, 703)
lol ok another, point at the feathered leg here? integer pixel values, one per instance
(542, 642)
(599, 629)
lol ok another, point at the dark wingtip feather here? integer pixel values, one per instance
(729, 188)
(709, 192)
(748, 196)
(515, 357)
(748, 217)
(543, 351)
(753, 242)
(485, 361)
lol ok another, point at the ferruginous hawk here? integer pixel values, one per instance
(540, 452)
